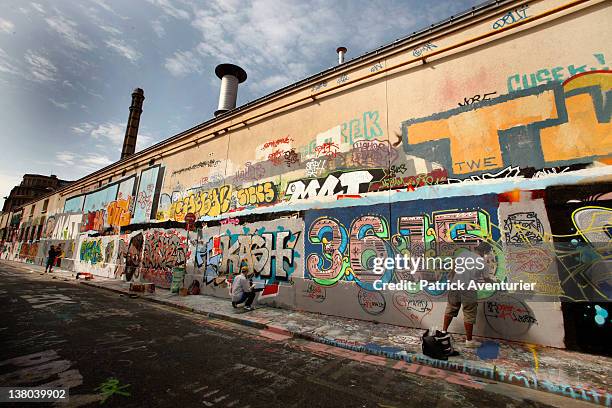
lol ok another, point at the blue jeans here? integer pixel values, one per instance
(248, 296)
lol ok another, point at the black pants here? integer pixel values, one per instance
(248, 296)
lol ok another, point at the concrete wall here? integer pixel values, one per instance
(491, 140)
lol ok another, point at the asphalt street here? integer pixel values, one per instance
(117, 351)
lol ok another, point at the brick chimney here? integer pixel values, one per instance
(131, 131)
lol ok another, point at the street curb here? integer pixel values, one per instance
(466, 367)
(463, 367)
(244, 322)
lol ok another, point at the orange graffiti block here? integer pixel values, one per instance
(473, 134)
(118, 213)
(583, 135)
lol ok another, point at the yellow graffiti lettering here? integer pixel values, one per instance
(258, 194)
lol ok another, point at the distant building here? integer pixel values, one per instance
(32, 186)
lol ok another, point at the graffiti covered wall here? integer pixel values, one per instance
(458, 149)
(272, 251)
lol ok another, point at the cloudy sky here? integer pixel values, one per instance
(67, 68)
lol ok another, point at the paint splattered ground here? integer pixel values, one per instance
(118, 351)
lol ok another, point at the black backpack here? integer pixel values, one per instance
(438, 345)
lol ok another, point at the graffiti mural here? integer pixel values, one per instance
(414, 308)
(581, 231)
(343, 183)
(93, 221)
(548, 125)
(271, 250)
(508, 316)
(342, 243)
(63, 226)
(148, 188)
(114, 204)
(28, 252)
(202, 203)
(118, 212)
(523, 227)
(122, 252)
(373, 303)
(133, 257)
(164, 251)
(91, 251)
(581, 218)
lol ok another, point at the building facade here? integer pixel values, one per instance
(31, 187)
(491, 126)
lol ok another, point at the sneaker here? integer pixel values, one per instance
(234, 305)
(472, 344)
(248, 308)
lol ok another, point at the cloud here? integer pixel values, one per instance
(276, 42)
(82, 128)
(41, 69)
(158, 28)
(123, 49)
(61, 105)
(81, 163)
(6, 65)
(67, 29)
(111, 132)
(89, 91)
(170, 9)
(109, 9)
(92, 14)
(110, 29)
(37, 68)
(38, 7)
(279, 43)
(6, 26)
(99, 161)
(65, 158)
(105, 6)
(183, 63)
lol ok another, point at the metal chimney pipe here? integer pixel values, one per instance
(231, 75)
(131, 130)
(341, 51)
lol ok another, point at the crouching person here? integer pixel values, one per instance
(242, 290)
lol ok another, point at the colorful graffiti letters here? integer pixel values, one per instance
(209, 202)
(347, 183)
(91, 251)
(264, 193)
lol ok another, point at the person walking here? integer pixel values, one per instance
(51, 259)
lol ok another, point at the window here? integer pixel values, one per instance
(45, 205)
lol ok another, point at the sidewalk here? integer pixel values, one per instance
(575, 375)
